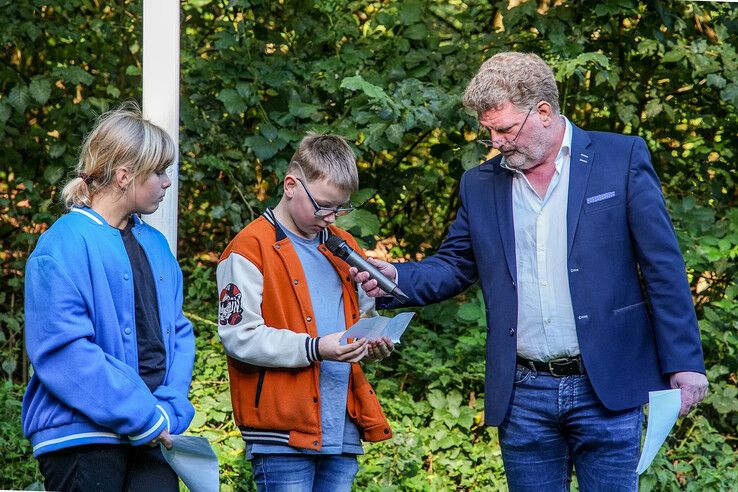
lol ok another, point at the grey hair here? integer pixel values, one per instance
(522, 79)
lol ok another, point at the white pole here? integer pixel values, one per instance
(161, 97)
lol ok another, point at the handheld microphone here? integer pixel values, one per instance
(339, 248)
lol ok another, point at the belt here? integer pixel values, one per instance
(564, 366)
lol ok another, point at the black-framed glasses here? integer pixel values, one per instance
(322, 212)
(490, 143)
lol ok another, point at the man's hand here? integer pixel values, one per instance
(370, 285)
(331, 349)
(693, 386)
(379, 349)
(163, 438)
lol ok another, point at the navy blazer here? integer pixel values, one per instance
(632, 305)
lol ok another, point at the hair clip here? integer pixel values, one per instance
(86, 178)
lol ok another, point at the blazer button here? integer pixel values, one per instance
(511, 331)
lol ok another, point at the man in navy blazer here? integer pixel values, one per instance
(588, 304)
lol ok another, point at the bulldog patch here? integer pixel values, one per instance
(230, 312)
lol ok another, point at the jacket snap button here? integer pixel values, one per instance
(371, 392)
(128, 331)
(512, 331)
(295, 281)
(315, 443)
(348, 279)
(309, 319)
(125, 276)
(315, 399)
(353, 316)
(277, 246)
(386, 431)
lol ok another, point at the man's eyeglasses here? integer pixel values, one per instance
(344, 209)
(491, 143)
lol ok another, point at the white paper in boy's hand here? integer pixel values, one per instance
(379, 326)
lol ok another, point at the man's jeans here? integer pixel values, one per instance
(556, 423)
(304, 473)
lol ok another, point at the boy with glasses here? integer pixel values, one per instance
(299, 398)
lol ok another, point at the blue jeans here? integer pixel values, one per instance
(556, 423)
(304, 472)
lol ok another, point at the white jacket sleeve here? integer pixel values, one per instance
(243, 332)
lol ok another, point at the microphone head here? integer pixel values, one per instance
(336, 245)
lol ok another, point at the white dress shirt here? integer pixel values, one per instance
(546, 328)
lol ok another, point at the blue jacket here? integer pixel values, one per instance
(81, 338)
(618, 232)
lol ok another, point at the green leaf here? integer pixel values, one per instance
(261, 147)
(232, 101)
(395, 133)
(357, 83)
(40, 90)
(299, 109)
(436, 399)
(359, 197)
(363, 221)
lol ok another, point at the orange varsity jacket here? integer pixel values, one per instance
(267, 329)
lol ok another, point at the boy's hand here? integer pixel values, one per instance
(370, 285)
(331, 349)
(379, 349)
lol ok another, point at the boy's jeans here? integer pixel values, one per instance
(556, 422)
(304, 473)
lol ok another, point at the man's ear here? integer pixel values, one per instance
(545, 112)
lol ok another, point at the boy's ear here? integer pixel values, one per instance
(290, 183)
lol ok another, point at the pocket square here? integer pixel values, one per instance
(599, 198)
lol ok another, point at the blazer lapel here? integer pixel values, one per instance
(580, 165)
(503, 208)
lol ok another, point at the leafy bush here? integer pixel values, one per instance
(19, 469)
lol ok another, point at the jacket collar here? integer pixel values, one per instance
(279, 232)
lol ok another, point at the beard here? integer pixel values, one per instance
(523, 157)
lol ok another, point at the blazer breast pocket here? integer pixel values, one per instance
(602, 201)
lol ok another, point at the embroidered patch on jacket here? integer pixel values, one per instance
(599, 198)
(230, 305)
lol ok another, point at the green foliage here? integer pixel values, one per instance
(256, 75)
(19, 468)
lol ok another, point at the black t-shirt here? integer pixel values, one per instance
(151, 354)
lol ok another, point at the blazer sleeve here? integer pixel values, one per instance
(662, 266)
(60, 344)
(445, 274)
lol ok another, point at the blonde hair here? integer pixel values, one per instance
(327, 157)
(121, 138)
(523, 79)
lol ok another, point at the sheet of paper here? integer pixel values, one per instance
(379, 326)
(194, 461)
(663, 410)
